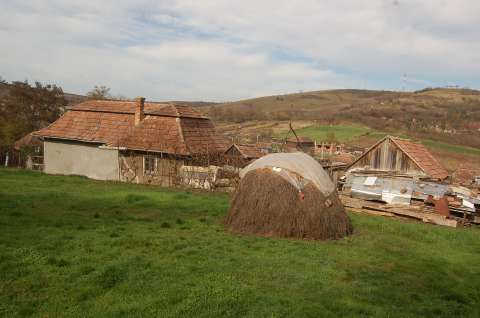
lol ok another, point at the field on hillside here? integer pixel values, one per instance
(72, 247)
(423, 113)
(340, 133)
(349, 133)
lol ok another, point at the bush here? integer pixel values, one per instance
(112, 276)
(165, 225)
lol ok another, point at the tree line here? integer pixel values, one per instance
(27, 107)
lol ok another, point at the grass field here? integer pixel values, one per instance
(72, 247)
(340, 132)
(451, 148)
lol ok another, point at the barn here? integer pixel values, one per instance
(401, 157)
(132, 141)
(239, 155)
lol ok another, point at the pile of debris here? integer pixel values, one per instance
(401, 177)
(429, 201)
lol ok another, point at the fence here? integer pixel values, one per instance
(9, 157)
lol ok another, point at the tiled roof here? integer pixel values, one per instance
(200, 136)
(98, 127)
(156, 133)
(27, 140)
(422, 157)
(128, 107)
(248, 151)
(166, 128)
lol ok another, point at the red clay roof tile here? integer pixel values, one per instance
(422, 157)
(167, 128)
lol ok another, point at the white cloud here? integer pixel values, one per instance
(223, 50)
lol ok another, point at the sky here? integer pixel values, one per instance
(227, 50)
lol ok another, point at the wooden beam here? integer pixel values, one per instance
(357, 205)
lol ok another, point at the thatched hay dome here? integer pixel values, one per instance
(298, 202)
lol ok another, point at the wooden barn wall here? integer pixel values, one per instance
(166, 174)
(233, 151)
(386, 156)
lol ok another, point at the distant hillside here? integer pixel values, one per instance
(440, 114)
(195, 103)
(72, 99)
(3, 89)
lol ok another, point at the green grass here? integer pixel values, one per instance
(72, 247)
(451, 148)
(345, 133)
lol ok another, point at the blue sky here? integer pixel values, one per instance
(228, 50)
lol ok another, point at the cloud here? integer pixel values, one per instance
(225, 50)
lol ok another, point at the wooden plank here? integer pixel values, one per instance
(380, 209)
(436, 219)
(476, 220)
(371, 212)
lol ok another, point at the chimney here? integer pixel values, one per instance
(139, 110)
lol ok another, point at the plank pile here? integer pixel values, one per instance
(419, 212)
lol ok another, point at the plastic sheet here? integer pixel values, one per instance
(292, 165)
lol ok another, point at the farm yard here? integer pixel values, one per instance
(74, 247)
(451, 155)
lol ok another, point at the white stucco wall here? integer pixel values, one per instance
(81, 159)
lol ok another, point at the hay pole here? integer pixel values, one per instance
(294, 133)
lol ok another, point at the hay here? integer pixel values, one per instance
(266, 204)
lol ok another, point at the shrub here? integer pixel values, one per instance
(165, 225)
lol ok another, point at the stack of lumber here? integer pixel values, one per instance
(422, 213)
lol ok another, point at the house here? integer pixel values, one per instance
(401, 157)
(239, 155)
(29, 151)
(132, 141)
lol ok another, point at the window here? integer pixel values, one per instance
(149, 164)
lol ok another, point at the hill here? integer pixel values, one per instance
(438, 114)
(72, 99)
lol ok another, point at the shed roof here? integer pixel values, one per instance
(27, 140)
(422, 157)
(247, 151)
(167, 128)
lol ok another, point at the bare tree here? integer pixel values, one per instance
(99, 92)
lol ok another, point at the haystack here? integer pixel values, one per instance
(290, 196)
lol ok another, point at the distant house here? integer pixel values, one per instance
(399, 156)
(131, 141)
(239, 155)
(29, 150)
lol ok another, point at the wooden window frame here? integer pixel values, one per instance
(150, 171)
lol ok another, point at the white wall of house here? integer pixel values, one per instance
(80, 159)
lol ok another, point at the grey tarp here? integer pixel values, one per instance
(290, 165)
